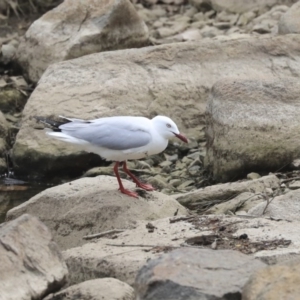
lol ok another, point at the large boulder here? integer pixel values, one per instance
(76, 28)
(91, 205)
(290, 21)
(252, 125)
(192, 274)
(172, 79)
(31, 265)
(275, 282)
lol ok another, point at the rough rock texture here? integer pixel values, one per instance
(4, 136)
(77, 28)
(169, 79)
(252, 125)
(285, 207)
(224, 192)
(91, 205)
(31, 265)
(124, 255)
(241, 203)
(241, 6)
(97, 289)
(290, 21)
(275, 282)
(192, 274)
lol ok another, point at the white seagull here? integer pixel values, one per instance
(118, 139)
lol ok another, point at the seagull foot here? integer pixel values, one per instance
(144, 186)
(129, 193)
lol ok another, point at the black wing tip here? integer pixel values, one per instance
(49, 122)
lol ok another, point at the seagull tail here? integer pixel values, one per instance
(66, 138)
(51, 123)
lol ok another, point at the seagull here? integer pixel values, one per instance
(118, 139)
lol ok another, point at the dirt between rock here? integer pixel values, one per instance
(224, 237)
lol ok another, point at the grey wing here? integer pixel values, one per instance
(112, 136)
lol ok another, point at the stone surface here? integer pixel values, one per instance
(124, 255)
(91, 205)
(195, 274)
(224, 192)
(149, 81)
(241, 6)
(251, 126)
(285, 207)
(290, 21)
(76, 28)
(31, 265)
(243, 202)
(274, 282)
(97, 289)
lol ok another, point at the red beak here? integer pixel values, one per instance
(181, 137)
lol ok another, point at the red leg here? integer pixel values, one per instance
(121, 187)
(147, 187)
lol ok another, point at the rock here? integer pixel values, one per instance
(274, 282)
(294, 185)
(97, 289)
(250, 114)
(8, 53)
(268, 22)
(124, 255)
(201, 5)
(284, 207)
(242, 6)
(91, 205)
(290, 21)
(224, 192)
(31, 265)
(11, 99)
(75, 28)
(190, 274)
(146, 82)
(243, 202)
(121, 257)
(253, 176)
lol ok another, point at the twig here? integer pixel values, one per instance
(185, 218)
(290, 179)
(136, 245)
(101, 234)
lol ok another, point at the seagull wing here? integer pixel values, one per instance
(115, 133)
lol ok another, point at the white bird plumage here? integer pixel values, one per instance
(119, 138)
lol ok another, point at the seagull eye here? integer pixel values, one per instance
(169, 125)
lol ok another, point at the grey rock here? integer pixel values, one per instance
(253, 176)
(31, 265)
(76, 28)
(192, 274)
(285, 207)
(250, 114)
(243, 202)
(96, 289)
(90, 87)
(290, 21)
(274, 282)
(227, 191)
(90, 205)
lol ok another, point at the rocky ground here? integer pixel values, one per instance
(223, 221)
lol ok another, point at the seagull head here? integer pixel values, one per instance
(167, 128)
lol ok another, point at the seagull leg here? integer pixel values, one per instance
(147, 187)
(121, 187)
